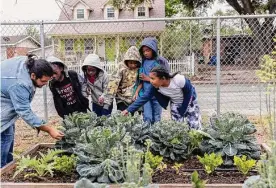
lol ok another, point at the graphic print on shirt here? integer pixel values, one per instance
(67, 93)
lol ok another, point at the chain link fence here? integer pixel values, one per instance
(219, 54)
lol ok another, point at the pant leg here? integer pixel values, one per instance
(193, 116)
(97, 109)
(157, 111)
(175, 113)
(147, 112)
(7, 141)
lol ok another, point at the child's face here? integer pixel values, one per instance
(155, 81)
(91, 71)
(147, 52)
(132, 64)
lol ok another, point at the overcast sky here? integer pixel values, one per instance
(41, 10)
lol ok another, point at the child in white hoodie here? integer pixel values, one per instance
(95, 83)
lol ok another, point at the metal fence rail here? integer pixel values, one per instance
(219, 54)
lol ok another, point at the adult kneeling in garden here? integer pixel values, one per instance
(174, 89)
(20, 76)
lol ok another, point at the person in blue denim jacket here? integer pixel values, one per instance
(150, 58)
(20, 76)
(174, 89)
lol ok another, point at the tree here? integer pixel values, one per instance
(180, 39)
(262, 31)
(33, 32)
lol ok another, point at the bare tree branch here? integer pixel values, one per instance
(271, 6)
(235, 4)
(248, 7)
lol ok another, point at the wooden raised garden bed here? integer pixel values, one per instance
(166, 179)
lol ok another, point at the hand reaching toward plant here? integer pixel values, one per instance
(54, 133)
(125, 112)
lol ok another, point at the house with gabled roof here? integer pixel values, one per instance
(12, 46)
(109, 40)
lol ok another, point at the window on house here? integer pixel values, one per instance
(141, 11)
(88, 46)
(69, 44)
(110, 12)
(80, 13)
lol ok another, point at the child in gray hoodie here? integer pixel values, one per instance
(95, 83)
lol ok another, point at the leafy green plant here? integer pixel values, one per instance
(196, 137)
(170, 140)
(131, 160)
(162, 166)
(153, 161)
(86, 183)
(37, 167)
(174, 140)
(73, 125)
(65, 164)
(210, 162)
(244, 165)
(267, 75)
(231, 134)
(267, 171)
(176, 167)
(196, 181)
(94, 156)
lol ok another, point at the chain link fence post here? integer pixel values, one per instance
(43, 56)
(218, 66)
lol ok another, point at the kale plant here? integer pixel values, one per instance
(94, 156)
(72, 127)
(134, 125)
(231, 134)
(172, 140)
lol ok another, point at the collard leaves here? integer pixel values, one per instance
(231, 135)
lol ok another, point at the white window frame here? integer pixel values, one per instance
(88, 45)
(110, 10)
(80, 14)
(141, 11)
(68, 46)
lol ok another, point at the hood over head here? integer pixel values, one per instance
(133, 55)
(151, 43)
(92, 60)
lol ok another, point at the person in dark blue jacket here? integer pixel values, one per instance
(174, 89)
(150, 58)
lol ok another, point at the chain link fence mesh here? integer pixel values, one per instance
(190, 45)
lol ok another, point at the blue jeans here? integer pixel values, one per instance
(152, 111)
(7, 140)
(100, 111)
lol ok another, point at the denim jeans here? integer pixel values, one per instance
(100, 111)
(7, 140)
(152, 111)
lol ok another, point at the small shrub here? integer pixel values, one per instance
(196, 181)
(153, 161)
(244, 165)
(65, 164)
(176, 167)
(38, 167)
(210, 162)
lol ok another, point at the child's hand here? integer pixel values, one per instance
(135, 96)
(125, 112)
(144, 77)
(101, 100)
